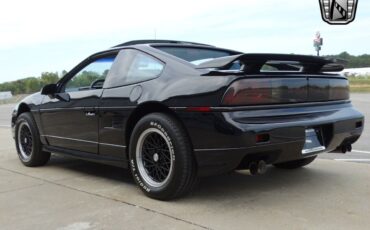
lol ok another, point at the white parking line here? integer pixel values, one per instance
(354, 160)
(360, 151)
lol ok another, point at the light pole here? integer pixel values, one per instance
(318, 42)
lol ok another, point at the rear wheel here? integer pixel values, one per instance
(28, 142)
(161, 158)
(295, 164)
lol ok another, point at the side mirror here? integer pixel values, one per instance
(49, 89)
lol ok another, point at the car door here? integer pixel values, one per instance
(122, 93)
(69, 119)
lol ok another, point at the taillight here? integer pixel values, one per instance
(328, 89)
(284, 91)
(265, 91)
(248, 92)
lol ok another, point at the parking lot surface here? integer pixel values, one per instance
(74, 194)
(361, 149)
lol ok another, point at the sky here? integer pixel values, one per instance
(42, 35)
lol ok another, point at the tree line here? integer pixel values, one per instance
(34, 84)
(360, 61)
(30, 84)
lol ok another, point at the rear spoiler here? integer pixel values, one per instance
(252, 63)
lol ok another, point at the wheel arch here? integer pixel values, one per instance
(145, 109)
(23, 108)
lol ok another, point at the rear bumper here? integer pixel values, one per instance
(224, 141)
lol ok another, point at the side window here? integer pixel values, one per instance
(268, 68)
(90, 77)
(143, 67)
(132, 66)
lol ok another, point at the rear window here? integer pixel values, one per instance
(193, 54)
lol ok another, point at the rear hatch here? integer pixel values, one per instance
(264, 79)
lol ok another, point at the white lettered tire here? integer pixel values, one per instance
(161, 158)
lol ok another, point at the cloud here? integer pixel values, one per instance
(54, 35)
(28, 22)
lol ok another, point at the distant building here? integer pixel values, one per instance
(355, 72)
(5, 95)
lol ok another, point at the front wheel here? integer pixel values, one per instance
(28, 142)
(161, 158)
(295, 164)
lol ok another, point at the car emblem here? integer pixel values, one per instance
(338, 12)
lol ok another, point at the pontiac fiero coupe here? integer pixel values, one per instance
(173, 111)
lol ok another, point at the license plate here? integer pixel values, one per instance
(313, 142)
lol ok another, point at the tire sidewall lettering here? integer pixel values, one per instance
(160, 127)
(137, 177)
(133, 163)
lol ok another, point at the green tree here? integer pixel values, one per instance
(49, 78)
(63, 73)
(32, 84)
(353, 61)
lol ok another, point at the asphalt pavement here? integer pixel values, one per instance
(73, 194)
(5, 114)
(361, 149)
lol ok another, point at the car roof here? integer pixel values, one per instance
(151, 47)
(145, 44)
(160, 41)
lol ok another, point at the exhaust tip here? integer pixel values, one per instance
(253, 168)
(346, 148)
(257, 167)
(349, 148)
(261, 167)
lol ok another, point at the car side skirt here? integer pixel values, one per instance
(109, 160)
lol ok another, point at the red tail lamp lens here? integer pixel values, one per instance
(246, 92)
(255, 91)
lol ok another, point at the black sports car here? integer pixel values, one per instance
(172, 111)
